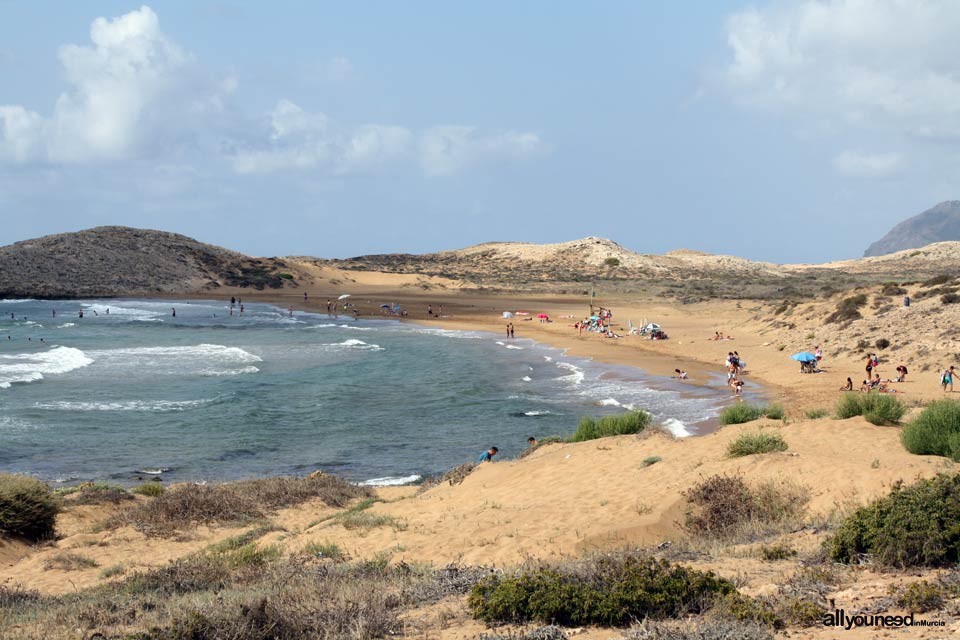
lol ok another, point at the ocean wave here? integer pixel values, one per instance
(30, 367)
(677, 428)
(353, 343)
(390, 481)
(154, 472)
(576, 376)
(129, 405)
(201, 359)
(66, 325)
(513, 346)
(526, 378)
(530, 414)
(17, 300)
(124, 312)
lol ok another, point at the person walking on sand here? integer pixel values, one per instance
(946, 380)
(430, 310)
(487, 456)
(818, 353)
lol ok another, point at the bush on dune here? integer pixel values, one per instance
(744, 412)
(876, 408)
(236, 502)
(914, 526)
(726, 507)
(936, 431)
(620, 424)
(27, 507)
(752, 443)
(613, 591)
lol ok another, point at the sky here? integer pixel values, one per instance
(787, 131)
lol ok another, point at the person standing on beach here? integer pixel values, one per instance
(869, 365)
(818, 353)
(487, 456)
(512, 330)
(174, 309)
(946, 379)
(304, 296)
(508, 329)
(430, 310)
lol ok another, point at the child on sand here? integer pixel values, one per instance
(848, 386)
(487, 456)
(681, 375)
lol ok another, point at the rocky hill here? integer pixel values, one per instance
(938, 224)
(118, 261)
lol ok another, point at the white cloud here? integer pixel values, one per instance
(889, 65)
(303, 140)
(868, 165)
(113, 84)
(447, 149)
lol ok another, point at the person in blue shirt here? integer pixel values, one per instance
(487, 456)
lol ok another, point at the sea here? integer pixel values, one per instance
(130, 391)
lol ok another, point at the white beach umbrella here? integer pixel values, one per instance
(346, 295)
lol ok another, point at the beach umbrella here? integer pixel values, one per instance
(384, 306)
(542, 315)
(804, 356)
(507, 314)
(653, 326)
(346, 295)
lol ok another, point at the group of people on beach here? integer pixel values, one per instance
(873, 381)
(735, 366)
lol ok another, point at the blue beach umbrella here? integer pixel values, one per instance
(804, 356)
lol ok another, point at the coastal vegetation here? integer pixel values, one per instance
(620, 424)
(913, 526)
(746, 412)
(876, 408)
(747, 444)
(610, 590)
(27, 507)
(726, 507)
(936, 431)
(236, 502)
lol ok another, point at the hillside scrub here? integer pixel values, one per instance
(848, 309)
(752, 443)
(725, 507)
(243, 596)
(611, 590)
(936, 431)
(235, 502)
(27, 507)
(877, 408)
(744, 412)
(913, 526)
(620, 424)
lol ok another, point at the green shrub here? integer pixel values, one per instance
(285, 276)
(915, 525)
(149, 489)
(816, 414)
(950, 298)
(751, 443)
(744, 412)
(848, 309)
(651, 460)
(936, 431)
(620, 424)
(937, 280)
(612, 262)
(891, 289)
(325, 550)
(27, 507)
(876, 408)
(775, 552)
(706, 629)
(69, 561)
(611, 591)
(922, 596)
(727, 507)
(882, 343)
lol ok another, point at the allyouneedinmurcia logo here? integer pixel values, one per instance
(839, 618)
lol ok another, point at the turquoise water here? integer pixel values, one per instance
(209, 396)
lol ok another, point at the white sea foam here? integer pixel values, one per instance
(548, 358)
(29, 367)
(131, 313)
(390, 481)
(537, 413)
(677, 428)
(526, 378)
(66, 325)
(17, 301)
(154, 472)
(353, 343)
(129, 405)
(576, 376)
(201, 359)
(613, 402)
(501, 344)
(513, 346)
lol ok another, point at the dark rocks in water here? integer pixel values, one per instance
(938, 224)
(121, 261)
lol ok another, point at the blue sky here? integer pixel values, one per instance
(784, 131)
